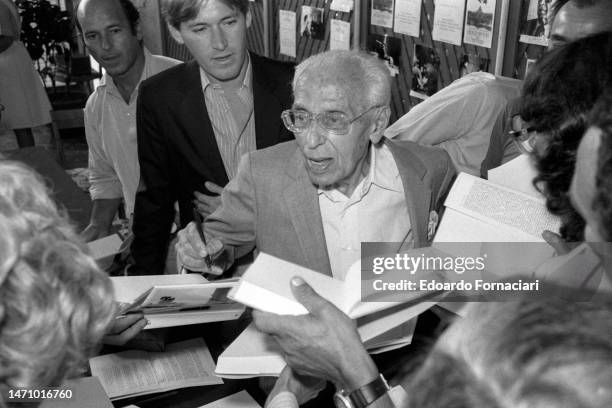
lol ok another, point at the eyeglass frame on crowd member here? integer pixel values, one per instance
(525, 138)
(287, 121)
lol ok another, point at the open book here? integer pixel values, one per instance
(266, 286)
(134, 372)
(176, 300)
(479, 210)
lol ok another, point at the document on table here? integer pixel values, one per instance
(134, 372)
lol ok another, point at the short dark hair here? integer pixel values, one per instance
(558, 93)
(601, 118)
(129, 10)
(176, 12)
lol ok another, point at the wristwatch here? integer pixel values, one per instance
(362, 396)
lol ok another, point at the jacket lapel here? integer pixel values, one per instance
(418, 194)
(303, 206)
(197, 124)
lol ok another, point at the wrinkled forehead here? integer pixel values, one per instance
(325, 93)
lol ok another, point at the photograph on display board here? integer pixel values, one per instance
(386, 48)
(425, 72)
(469, 63)
(537, 17)
(312, 23)
(479, 18)
(382, 13)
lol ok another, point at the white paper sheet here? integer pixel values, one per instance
(135, 372)
(345, 6)
(408, 17)
(479, 23)
(448, 21)
(340, 36)
(287, 32)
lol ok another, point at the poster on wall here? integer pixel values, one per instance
(479, 18)
(408, 17)
(312, 23)
(425, 72)
(535, 26)
(388, 49)
(382, 13)
(346, 6)
(448, 21)
(340, 35)
(287, 24)
(469, 63)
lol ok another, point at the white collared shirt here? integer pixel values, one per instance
(110, 128)
(375, 212)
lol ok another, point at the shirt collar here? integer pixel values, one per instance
(147, 71)
(246, 82)
(383, 173)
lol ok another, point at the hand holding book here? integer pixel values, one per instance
(322, 344)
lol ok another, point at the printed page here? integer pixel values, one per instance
(517, 174)
(135, 372)
(241, 399)
(512, 212)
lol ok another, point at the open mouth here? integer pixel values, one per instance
(319, 165)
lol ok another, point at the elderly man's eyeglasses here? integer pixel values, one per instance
(298, 120)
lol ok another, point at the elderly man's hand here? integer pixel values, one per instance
(304, 388)
(191, 251)
(207, 204)
(323, 344)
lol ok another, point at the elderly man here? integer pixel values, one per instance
(196, 120)
(112, 34)
(313, 201)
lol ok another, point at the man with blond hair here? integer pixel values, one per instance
(196, 120)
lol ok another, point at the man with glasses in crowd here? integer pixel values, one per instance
(313, 201)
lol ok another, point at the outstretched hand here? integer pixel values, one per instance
(322, 344)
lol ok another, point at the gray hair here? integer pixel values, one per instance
(55, 303)
(543, 353)
(363, 77)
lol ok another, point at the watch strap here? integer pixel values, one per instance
(367, 394)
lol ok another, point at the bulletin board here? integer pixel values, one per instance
(263, 38)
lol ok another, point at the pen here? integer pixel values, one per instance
(198, 221)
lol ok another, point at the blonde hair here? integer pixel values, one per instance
(55, 303)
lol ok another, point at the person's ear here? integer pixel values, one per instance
(175, 33)
(381, 120)
(138, 31)
(248, 18)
